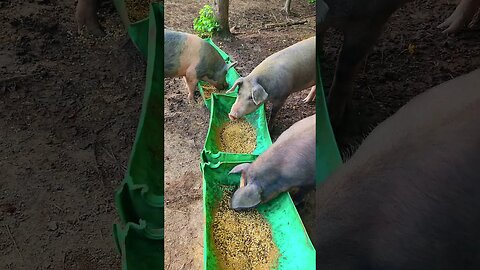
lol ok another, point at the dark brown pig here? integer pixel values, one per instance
(409, 197)
(287, 165)
(282, 73)
(193, 58)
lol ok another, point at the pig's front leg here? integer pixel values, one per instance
(357, 42)
(276, 105)
(191, 82)
(286, 8)
(86, 15)
(464, 15)
(311, 95)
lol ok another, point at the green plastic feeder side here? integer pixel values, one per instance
(139, 250)
(138, 31)
(288, 233)
(141, 195)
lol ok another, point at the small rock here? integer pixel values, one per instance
(52, 226)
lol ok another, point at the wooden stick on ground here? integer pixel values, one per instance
(14, 242)
(283, 24)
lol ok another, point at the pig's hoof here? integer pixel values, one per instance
(285, 11)
(93, 27)
(308, 99)
(86, 17)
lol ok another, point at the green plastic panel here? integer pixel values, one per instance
(138, 248)
(289, 235)
(141, 195)
(138, 31)
(327, 154)
(209, 157)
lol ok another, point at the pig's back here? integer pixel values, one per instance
(174, 46)
(293, 153)
(433, 110)
(408, 199)
(291, 68)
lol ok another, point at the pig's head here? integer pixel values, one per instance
(250, 96)
(218, 77)
(255, 188)
(249, 194)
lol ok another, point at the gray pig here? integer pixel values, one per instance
(409, 198)
(361, 22)
(287, 165)
(282, 73)
(195, 59)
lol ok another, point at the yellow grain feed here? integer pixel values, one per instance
(237, 137)
(242, 240)
(208, 89)
(138, 9)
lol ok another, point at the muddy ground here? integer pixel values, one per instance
(69, 107)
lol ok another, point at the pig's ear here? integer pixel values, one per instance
(258, 94)
(246, 197)
(239, 81)
(239, 168)
(231, 65)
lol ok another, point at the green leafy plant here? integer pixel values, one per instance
(312, 1)
(206, 24)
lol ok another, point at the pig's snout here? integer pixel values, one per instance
(222, 86)
(234, 113)
(232, 117)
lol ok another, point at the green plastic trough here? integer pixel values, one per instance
(140, 198)
(295, 248)
(327, 154)
(142, 192)
(209, 157)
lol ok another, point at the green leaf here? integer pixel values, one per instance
(206, 24)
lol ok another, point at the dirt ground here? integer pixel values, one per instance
(69, 107)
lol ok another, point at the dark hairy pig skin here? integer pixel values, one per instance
(409, 197)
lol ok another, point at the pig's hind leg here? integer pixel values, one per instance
(86, 15)
(191, 82)
(286, 7)
(311, 95)
(357, 42)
